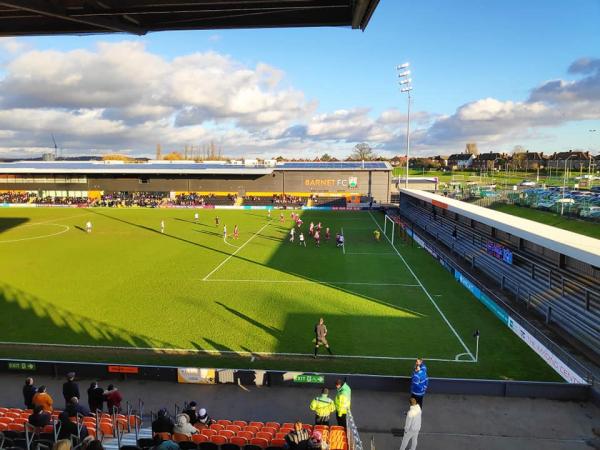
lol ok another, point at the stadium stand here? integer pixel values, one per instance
(125, 431)
(335, 202)
(567, 299)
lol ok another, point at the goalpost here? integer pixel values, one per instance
(392, 226)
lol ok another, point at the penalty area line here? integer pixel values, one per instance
(234, 253)
(425, 290)
(216, 280)
(243, 353)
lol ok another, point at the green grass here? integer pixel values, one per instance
(128, 285)
(556, 220)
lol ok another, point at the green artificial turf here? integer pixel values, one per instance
(556, 220)
(127, 285)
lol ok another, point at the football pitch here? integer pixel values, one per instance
(127, 293)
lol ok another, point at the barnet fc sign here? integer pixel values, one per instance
(351, 182)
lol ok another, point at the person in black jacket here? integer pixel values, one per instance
(95, 397)
(29, 390)
(74, 408)
(191, 412)
(163, 423)
(68, 428)
(39, 418)
(70, 388)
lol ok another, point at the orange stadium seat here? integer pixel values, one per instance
(217, 427)
(208, 432)
(92, 431)
(245, 434)
(198, 438)
(238, 440)
(267, 429)
(164, 436)
(6, 420)
(219, 440)
(251, 429)
(16, 427)
(106, 429)
(280, 435)
(259, 442)
(234, 428)
(240, 423)
(228, 434)
(180, 437)
(224, 422)
(256, 424)
(278, 443)
(273, 425)
(3, 426)
(262, 435)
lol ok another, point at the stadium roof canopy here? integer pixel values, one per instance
(35, 17)
(180, 167)
(574, 245)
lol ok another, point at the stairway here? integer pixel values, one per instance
(127, 439)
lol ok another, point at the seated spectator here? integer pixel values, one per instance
(298, 438)
(95, 397)
(316, 442)
(183, 425)
(166, 444)
(43, 399)
(204, 418)
(39, 418)
(113, 398)
(191, 412)
(74, 408)
(68, 428)
(93, 444)
(163, 423)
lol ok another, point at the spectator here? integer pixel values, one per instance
(74, 408)
(183, 425)
(204, 418)
(70, 388)
(323, 406)
(298, 438)
(63, 444)
(163, 423)
(317, 442)
(164, 444)
(113, 398)
(43, 399)
(419, 382)
(39, 418)
(95, 397)
(342, 401)
(412, 425)
(66, 428)
(29, 391)
(191, 412)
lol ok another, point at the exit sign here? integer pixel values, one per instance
(315, 379)
(15, 365)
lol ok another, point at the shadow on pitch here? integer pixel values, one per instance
(6, 223)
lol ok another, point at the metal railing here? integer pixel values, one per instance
(354, 442)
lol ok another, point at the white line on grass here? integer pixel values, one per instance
(244, 353)
(424, 290)
(60, 219)
(370, 253)
(225, 240)
(214, 280)
(64, 230)
(234, 253)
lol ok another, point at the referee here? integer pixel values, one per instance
(321, 336)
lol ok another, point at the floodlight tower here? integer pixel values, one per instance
(406, 87)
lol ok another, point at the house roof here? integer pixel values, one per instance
(460, 156)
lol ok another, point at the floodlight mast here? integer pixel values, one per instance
(406, 87)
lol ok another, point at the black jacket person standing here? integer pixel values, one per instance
(70, 388)
(321, 336)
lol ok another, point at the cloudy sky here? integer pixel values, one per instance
(497, 73)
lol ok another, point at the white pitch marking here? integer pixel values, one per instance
(59, 219)
(370, 253)
(234, 253)
(425, 290)
(225, 240)
(65, 229)
(214, 280)
(228, 352)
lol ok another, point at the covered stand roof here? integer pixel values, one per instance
(574, 245)
(33, 17)
(180, 167)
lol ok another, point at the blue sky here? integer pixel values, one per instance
(462, 53)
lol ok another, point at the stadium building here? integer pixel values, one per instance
(341, 183)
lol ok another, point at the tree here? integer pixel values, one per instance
(116, 157)
(326, 157)
(362, 152)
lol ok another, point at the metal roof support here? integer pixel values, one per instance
(51, 9)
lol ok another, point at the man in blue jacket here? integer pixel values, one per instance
(419, 382)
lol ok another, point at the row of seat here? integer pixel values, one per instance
(567, 311)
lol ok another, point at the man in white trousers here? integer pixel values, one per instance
(412, 425)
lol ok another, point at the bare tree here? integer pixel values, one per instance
(362, 152)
